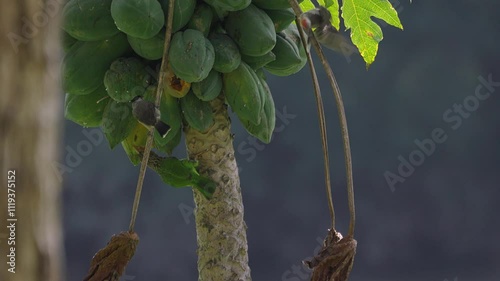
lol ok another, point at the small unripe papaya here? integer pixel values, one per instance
(209, 88)
(89, 20)
(183, 11)
(86, 63)
(243, 93)
(264, 130)
(138, 18)
(281, 18)
(126, 79)
(273, 4)
(191, 55)
(201, 19)
(252, 30)
(290, 53)
(227, 54)
(229, 5)
(86, 110)
(150, 49)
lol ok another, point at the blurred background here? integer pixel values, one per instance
(437, 222)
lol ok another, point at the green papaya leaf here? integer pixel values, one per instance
(306, 5)
(135, 142)
(181, 173)
(365, 33)
(117, 122)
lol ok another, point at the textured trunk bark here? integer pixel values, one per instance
(29, 139)
(221, 230)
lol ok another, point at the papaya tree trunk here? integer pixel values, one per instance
(31, 242)
(221, 230)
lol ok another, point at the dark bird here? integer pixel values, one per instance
(318, 19)
(149, 115)
(315, 18)
(331, 38)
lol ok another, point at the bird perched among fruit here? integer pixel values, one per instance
(149, 115)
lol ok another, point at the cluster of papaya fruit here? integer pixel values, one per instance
(113, 49)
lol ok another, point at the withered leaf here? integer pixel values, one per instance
(109, 263)
(335, 259)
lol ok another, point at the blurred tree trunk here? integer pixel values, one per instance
(30, 113)
(221, 230)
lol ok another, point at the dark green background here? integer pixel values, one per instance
(441, 223)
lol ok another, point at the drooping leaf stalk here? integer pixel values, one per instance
(342, 118)
(159, 91)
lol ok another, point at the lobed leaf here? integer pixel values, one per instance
(365, 33)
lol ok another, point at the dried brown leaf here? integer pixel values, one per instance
(109, 263)
(335, 259)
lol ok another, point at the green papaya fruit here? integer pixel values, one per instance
(183, 11)
(229, 5)
(292, 33)
(138, 18)
(191, 55)
(201, 19)
(252, 30)
(198, 113)
(260, 61)
(67, 41)
(264, 130)
(88, 20)
(86, 63)
(117, 122)
(180, 173)
(281, 18)
(273, 4)
(290, 53)
(150, 49)
(227, 54)
(243, 89)
(126, 79)
(219, 13)
(86, 110)
(209, 88)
